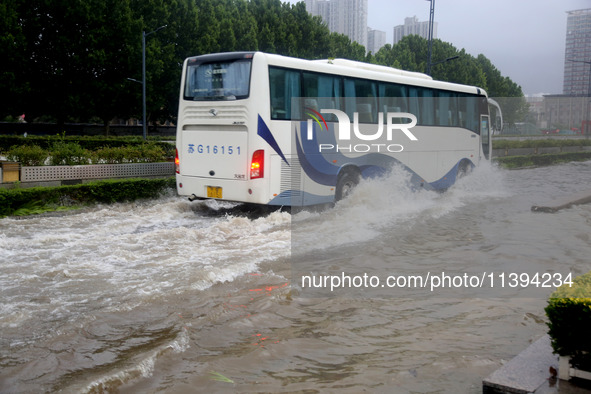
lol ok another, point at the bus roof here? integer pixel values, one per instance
(368, 71)
(374, 67)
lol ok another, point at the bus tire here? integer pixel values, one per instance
(464, 168)
(346, 183)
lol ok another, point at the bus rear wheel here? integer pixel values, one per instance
(346, 183)
(464, 168)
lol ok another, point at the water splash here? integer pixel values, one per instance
(61, 267)
(382, 203)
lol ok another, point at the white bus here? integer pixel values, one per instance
(269, 129)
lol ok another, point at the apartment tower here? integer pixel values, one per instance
(348, 17)
(577, 54)
(413, 26)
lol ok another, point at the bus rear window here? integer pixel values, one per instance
(218, 80)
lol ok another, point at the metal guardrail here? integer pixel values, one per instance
(95, 171)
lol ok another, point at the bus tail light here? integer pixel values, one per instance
(177, 162)
(257, 165)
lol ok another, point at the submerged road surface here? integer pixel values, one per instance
(177, 297)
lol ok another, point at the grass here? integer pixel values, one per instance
(28, 201)
(39, 207)
(539, 143)
(219, 377)
(513, 162)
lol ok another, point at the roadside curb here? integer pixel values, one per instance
(526, 372)
(556, 205)
(534, 370)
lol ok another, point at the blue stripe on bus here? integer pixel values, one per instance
(313, 163)
(303, 198)
(299, 198)
(448, 179)
(324, 172)
(265, 133)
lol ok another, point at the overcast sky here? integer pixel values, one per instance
(524, 39)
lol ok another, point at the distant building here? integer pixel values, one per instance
(537, 110)
(577, 55)
(375, 40)
(572, 110)
(348, 17)
(567, 112)
(413, 26)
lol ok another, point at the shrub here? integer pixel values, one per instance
(69, 154)
(542, 159)
(133, 154)
(538, 143)
(569, 314)
(152, 153)
(144, 153)
(109, 191)
(27, 155)
(91, 143)
(109, 155)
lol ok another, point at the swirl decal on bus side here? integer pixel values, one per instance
(264, 132)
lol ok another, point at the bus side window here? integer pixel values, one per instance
(427, 106)
(446, 109)
(322, 92)
(414, 104)
(284, 85)
(393, 98)
(361, 97)
(468, 112)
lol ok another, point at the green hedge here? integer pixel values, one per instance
(71, 153)
(541, 159)
(539, 143)
(41, 199)
(89, 143)
(32, 155)
(569, 315)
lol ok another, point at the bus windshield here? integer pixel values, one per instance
(217, 80)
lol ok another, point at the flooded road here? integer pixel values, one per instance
(178, 297)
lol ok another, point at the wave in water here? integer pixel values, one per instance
(389, 201)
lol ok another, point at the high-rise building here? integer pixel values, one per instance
(413, 26)
(577, 55)
(375, 40)
(348, 17)
(320, 8)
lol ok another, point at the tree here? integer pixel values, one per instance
(341, 46)
(53, 30)
(13, 81)
(109, 37)
(411, 54)
(245, 28)
(506, 92)
(183, 27)
(69, 60)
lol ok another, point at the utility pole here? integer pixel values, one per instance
(431, 18)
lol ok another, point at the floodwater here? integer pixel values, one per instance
(180, 297)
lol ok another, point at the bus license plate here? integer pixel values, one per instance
(214, 192)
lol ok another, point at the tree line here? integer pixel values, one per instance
(79, 61)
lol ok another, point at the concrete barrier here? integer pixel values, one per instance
(521, 151)
(534, 370)
(526, 373)
(549, 149)
(67, 175)
(579, 198)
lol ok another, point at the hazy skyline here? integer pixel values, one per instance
(524, 39)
